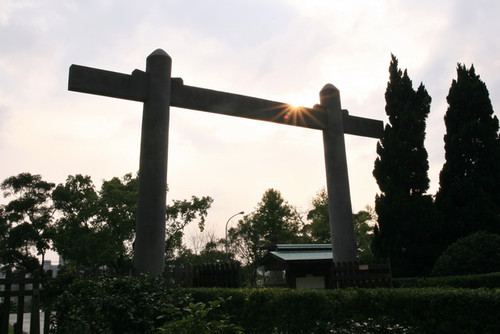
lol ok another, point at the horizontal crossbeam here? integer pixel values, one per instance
(106, 83)
(135, 87)
(245, 106)
(360, 126)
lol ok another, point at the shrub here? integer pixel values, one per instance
(133, 305)
(111, 305)
(422, 310)
(199, 318)
(491, 280)
(478, 253)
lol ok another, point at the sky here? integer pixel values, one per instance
(281, 50)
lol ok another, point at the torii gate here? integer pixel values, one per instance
(159, 91)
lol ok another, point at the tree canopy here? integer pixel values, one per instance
(319, 217)
(274, 220)
(25, 221)
(318, 231)
(93, 230)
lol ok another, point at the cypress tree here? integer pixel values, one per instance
(405, 213)
(469, 183)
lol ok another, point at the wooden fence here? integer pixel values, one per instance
(22, 292)
(352, 274)
(222, 275)
(178, 275)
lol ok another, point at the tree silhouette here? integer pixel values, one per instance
(405, 214)
(469, 196)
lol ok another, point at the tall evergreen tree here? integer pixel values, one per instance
(469, 196)
(405, 213)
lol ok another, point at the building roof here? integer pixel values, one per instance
(301, 252)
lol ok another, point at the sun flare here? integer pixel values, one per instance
(295, 115)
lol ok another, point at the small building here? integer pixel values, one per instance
(299, 266)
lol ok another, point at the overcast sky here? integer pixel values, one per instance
(282, 50)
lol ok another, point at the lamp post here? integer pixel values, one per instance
(239, 213)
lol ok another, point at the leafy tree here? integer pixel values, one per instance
(405, 214)
(118, 199)
(246, 242)
(179, 215)
(319, 216)
(80, 235)
(273, 219)
(25, 220)
(363, 222)
(363, 233)
(468, 197)
(95, 230)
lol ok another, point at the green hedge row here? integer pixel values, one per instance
(468, 282)
(429, 310)
(131, 305)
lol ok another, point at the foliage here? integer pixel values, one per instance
(319, 217)
(133, 305)
(478, 253)
(406, 217)
(427, 310)
(95, 229)
(82, 235)
(118, 198)
(468, 196)
(92, 230)
(25, 222)
(363, 233)
(491, 281)
(139, 305)
(209, 254)
(369, 326)
(111, 305)
(178, 216)
(319, 228)
(273, 220)
(199, 318)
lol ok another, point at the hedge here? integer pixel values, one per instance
(468, 281)
(429, 310)
(128, 305)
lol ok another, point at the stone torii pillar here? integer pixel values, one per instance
(337, 178)
(158, 91)
(153, 88)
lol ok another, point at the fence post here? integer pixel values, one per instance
(35, 304)
(18, 329)
(5, 307)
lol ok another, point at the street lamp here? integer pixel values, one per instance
(239, 213)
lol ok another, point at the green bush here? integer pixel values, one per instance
(427, 310)
(491, 280)
(111, 305)
(198, 318)
(478, 253)
(131, 305)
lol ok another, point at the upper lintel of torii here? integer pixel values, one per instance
(135, 87)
